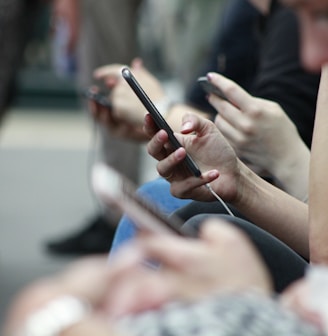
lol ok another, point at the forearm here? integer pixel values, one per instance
(273, 210)
(293, 171)
(318, 195)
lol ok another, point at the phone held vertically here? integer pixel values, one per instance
(157, 117)
(115, 190)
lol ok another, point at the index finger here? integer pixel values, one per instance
(235, 94)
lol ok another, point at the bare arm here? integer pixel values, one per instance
(318, 196)
(267, 206)
(275, 211)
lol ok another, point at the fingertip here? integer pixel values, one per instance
(137, 63)
(187, 127)
(212, 175)
(214, 230)
(210, 76)
(180, 153)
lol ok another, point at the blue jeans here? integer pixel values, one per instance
(158, 192)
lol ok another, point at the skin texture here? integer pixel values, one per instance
(314, 22)
(319, 186)
(126, 118)
(216, 239)
(126, 286)
(265, 205)
(259, 130)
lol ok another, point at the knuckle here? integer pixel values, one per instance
(241, 142)
(231, 89)
(255, 111)
(248, 129)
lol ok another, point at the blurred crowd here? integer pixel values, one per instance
(249, 253)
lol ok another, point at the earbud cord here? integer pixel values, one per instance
(208, 186)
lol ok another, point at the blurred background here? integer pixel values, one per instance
(48, 140)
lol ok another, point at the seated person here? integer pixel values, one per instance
(231, 293)
(243, 127)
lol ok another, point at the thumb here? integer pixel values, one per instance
(192, 123)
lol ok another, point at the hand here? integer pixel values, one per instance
(117, 127)
(77, 280)
(126, 286)
(208, 148)
(259, 131)
(126, 105)
(222, 260)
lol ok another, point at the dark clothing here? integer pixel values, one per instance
(264, 59)
(284, 264)
(236, 39)
(17, 18)
(279, 77)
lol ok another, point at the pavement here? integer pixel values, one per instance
(45, 161)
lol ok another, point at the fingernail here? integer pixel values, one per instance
(186, 126)
(209, 76)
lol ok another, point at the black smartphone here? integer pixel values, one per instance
(157, 117)
(99, 97)
(210, 88)
(115, 190)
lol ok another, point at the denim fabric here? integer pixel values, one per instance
(158, 192)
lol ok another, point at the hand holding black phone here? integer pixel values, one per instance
(157, 117)
(97, 96)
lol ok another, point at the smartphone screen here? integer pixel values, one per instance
(157, 117)
(115, 190)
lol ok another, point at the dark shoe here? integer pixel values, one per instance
(96, 238)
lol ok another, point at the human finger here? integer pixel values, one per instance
(235, 94)
(233, 115)
(149, 126)
(158, 144)
(111, 74)
(232, 134)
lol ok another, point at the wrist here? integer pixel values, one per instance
(249, 187)
(293, 172)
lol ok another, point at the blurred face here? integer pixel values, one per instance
(313, 15)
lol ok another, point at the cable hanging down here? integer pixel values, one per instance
(208, 186)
